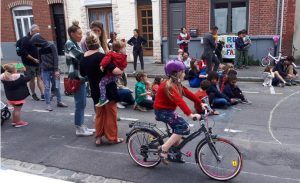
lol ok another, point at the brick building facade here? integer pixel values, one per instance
(17, 16)
(258, 17)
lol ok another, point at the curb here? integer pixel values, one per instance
(243, 79)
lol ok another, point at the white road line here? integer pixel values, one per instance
(37, 110)
(236, 108)
(126, 154)
(272, 90)
(128, 119)
(86, 115)
(271, 115)
(232, 130)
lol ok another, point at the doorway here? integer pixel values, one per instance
(145, 25)
(176, 21)
(60, 27)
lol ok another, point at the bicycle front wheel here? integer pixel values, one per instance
(220, 160)
(265, 61)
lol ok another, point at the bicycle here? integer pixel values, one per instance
(217, 157)
(265, 61)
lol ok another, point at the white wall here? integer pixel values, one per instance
(296, 40)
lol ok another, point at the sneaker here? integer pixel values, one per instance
(293, 82)
(281, 85)
(61, 104)
(81, 131)
(42, 98)
(120, 106)
(246, 101)
(140, 108)
(133, 72)
(288, 84)
(102, 103)
(34, 97)
(49, 108)
(20, 124)
(89, 129)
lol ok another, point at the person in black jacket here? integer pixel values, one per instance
(239, 50)
(137, 42)
(16, 91)
(217, 99)
(29, 56)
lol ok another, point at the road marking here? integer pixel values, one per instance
(129, 119)
(258, 141)
(37, 110)
(271, 115)
(86, 115)
(236, 108)
(272, 90)
(93, 150)
(232, 130)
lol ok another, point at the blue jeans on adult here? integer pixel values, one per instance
(220, 102)
(125, 95)
(47, 76)
(80, 103)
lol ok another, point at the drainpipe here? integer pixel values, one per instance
(161, 31)
(281, 26)
(277, 16)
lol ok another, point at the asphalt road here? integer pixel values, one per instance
(266, 132)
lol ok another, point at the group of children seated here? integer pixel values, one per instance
(217, 90)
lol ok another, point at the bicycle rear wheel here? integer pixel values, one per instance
(265, 61)
(141, 148)
(230, 160)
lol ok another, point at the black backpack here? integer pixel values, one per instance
(19, 46)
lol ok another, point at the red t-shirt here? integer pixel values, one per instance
(162, 101)
(224, 80)
(202, 64)
(200, 94)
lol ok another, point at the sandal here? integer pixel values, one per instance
(161, 154)
(98, 141)
(119, 140)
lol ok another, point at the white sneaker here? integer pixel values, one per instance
(89, 129)
(120, 106)
(133, 72)
(81, 131)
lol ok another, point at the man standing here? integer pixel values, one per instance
(29, 56)
(49, 67)
(209, 45)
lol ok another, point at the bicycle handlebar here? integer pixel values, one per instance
(203, 116)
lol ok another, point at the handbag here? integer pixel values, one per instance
(71, 85)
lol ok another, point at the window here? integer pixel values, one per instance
(104, 15)
(23, 19)
(230, 16)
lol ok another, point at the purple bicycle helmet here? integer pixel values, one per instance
(174, 66)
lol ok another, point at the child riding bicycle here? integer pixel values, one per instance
(168, 97)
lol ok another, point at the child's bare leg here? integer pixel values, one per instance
(175, 138)
(17, 114)
(276, 73)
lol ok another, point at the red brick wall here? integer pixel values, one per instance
(197, 15)
(165, 10)
(288, 28)
(42, 16)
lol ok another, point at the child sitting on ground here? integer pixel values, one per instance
(269, 75)
(202, 95)
(155, 85)
(202, 68)
(227, 68)
(16, 91)
(180, 55)
(119, 58)
(217, 99)
(232, 91)
(142, 103)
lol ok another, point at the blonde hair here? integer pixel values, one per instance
(118, 45)
(92, 41)
(228, 67)
(9, 70)
(174, 80)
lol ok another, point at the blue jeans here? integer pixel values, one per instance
(220, 102)
(47, 76)
(125, 95)
(80, 103)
